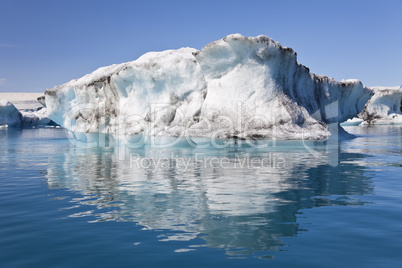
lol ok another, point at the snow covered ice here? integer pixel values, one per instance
(243, 87)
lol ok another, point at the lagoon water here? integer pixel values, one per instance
(291, 204)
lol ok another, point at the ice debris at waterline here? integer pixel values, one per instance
(244, 87)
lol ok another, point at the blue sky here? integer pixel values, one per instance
(47, 43)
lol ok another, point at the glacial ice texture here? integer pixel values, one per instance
(384, 107)
(242, 87)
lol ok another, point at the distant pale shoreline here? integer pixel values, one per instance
(22, 100)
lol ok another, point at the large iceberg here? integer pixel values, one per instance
(242, 87)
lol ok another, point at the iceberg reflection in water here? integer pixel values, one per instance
(237, 198)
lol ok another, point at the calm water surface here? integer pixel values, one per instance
(288, 205)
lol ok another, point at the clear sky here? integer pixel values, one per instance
(47, 43)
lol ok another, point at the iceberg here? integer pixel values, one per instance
(384, 107)
(37, 117)
(237, 87)
(23, 110)
(355, 121)
(9, 115)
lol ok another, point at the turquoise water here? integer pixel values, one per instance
(292, 204)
